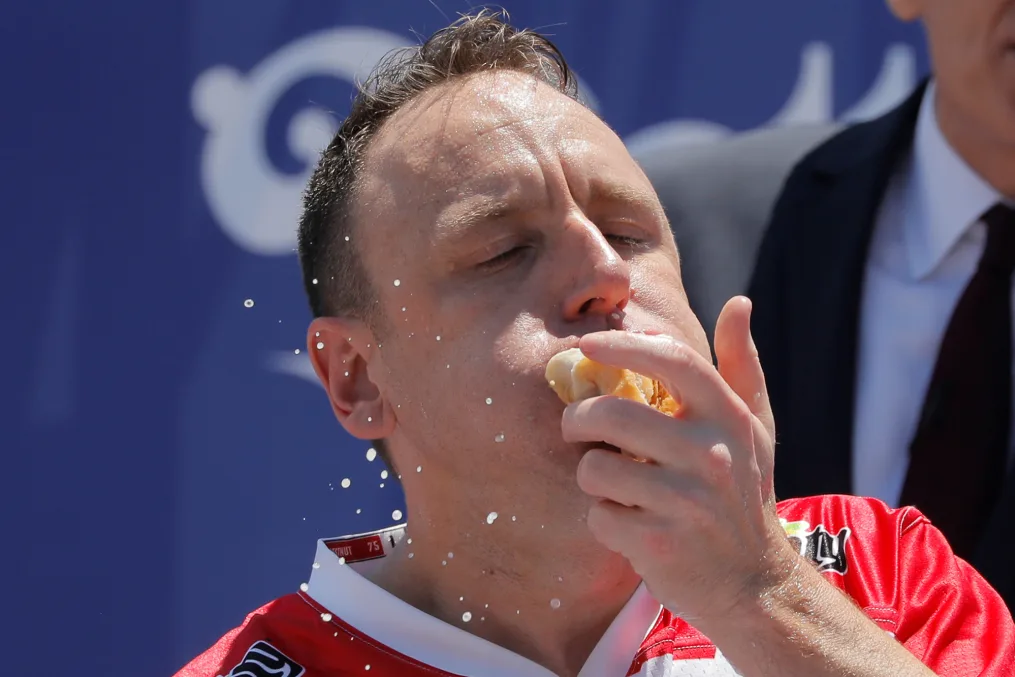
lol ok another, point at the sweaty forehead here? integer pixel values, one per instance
(498, 134)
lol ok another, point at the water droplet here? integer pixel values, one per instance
(341, 560)
(513, 518)
(466, 617)
(384, 474)
(398, 283)
(438, 338)
(491, 518)
(297, 351)
(409, 541)
(346, 482)
(444, 562)
(370, 419)
(249, 303)
(314, 281)
(346, 373)
(419, 468)
(368, 666)
(382, 485)
(403, 309)
(320, 345)
(359, 510)
(449, 366)
(317, 565)
(489, 400)
(410, 555)
(317, 334)
(371, 454)
(346, 238)
(518, 611)
(482, 618)
(554, 603)
(451, 555)
(499, 437)
(326, 617)
(396, 515)
(304, 587)
(461, 599)
(486, 606)
(553, 383)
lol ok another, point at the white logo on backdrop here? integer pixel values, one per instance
(258, 206)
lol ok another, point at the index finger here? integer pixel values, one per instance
(691, 378)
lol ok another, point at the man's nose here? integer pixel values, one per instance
(601, 277)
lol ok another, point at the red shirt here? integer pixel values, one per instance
(894, 564)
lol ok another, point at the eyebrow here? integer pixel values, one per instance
(478, 212)
(624, 194)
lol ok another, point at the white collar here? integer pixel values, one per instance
(380, 615)
(944, 196)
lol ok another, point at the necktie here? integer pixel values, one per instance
(958, 455)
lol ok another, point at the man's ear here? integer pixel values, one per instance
(906, 10)
(340, 350)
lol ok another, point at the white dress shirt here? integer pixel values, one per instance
(926, 245)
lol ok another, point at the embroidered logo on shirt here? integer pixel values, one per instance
(825, 549)
(264, 660)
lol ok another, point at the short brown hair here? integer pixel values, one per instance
(334, 278)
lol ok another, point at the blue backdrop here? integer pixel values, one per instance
(167, 462)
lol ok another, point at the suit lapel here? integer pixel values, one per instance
(847, 181)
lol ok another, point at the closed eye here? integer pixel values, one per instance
(502, 259)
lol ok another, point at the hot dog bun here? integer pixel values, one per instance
(575, 377)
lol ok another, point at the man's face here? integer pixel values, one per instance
(972, 44)
(500, 221)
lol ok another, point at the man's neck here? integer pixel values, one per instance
(992, 158)
(512, 596)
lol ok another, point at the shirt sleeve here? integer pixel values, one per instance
(949, 616)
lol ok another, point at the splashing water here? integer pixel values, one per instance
(489, 400)
(249, 303)
(371, 454)
(396, 515)
(554, 603)
(346, 483)
(499, 437)
(491, 518)
(326, 617)
(467, 617)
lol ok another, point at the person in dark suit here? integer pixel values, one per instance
(883, 297)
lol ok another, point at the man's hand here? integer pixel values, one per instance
(698, 523)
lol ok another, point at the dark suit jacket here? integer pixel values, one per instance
(806, 289)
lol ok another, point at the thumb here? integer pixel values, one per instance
(738, 359)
